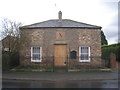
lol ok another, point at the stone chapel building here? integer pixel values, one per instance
(60, 42)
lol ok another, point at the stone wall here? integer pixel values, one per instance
(73, 37)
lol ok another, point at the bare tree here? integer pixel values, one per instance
(10, 29)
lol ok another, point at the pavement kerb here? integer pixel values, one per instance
(38, 79)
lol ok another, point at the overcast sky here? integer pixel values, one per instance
(103, 13)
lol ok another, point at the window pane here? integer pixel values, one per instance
(84, 49)
(6, 49)
(36, 49)
(82, 57)
(36, 56)
(33, 49)
(86, 57)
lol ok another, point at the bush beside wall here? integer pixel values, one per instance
(108, 49)
(9, 60)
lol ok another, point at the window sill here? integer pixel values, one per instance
(84, 60)
(35, 60)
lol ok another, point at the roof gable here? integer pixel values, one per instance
(64, 23)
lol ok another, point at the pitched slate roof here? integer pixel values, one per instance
(64, 23)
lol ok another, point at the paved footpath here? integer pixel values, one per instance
(54, 76)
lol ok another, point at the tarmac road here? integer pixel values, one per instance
(60, 80)
(60, 84)
(54, 76)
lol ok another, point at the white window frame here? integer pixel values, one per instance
(36, 53)
(6, 49)
(88, 54)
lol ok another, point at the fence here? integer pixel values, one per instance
(95, 63)
(68, 64)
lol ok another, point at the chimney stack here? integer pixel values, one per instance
(60, 16)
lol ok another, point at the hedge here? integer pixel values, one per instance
(108, 49)
(9, 60)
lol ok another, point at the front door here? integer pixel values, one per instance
(60, 55)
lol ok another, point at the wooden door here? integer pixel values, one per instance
(60, 55)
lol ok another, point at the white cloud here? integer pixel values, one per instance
(96, 12)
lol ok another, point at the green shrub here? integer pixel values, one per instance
(27, 68)
(9, 60)
(14, 60)
(5, 61)
(108, 49)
